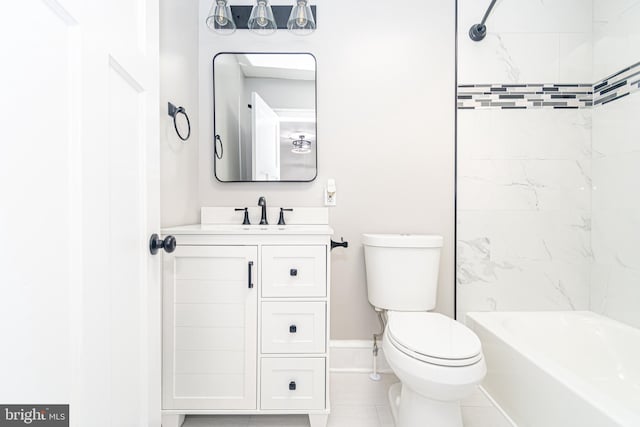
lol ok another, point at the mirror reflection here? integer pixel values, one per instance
(265, 117)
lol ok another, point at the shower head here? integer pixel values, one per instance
(477, 32)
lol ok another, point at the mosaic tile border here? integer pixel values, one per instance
(521, 96)
(617, 85)
(549, 95)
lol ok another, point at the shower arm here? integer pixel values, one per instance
(488, 12)
(478, 32)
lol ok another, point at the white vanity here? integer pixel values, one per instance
(246, 316)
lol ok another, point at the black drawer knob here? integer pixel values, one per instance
(292, 385)
(293, 272)
(293, 329)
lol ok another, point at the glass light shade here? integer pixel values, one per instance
(220, 18)
(301, 145)
(261, 20)
(301, 20)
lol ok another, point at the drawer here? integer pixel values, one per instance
(294, 271)
(293, 327)
(289, 383)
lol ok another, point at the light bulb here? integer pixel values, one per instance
(220, 18)
(301, 19)
(261, 19)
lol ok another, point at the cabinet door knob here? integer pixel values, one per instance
(293, 329)
(250, 270)
(292, 385)
(156, 243)
(293, 272)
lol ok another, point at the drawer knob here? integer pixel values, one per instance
(292, 385)
(293, 272)
(293, 329)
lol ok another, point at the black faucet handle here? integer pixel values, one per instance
(245, 221)
(282, 211)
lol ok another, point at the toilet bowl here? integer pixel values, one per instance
(438, 361)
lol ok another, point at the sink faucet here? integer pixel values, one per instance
(263, 202)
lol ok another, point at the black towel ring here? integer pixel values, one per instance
(215, 147)
(173, 112)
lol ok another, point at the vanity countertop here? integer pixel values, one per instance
(230, 229)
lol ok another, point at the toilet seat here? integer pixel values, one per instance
(433, 338)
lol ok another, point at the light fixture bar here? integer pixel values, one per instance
(280, 13)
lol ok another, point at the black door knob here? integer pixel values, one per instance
(292, 385)
(293, 329)
(293, 272)
(156, 243)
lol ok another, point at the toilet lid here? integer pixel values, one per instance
(434, 336)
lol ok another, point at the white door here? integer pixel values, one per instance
(265, 139)
(210, 327)
(79, 191)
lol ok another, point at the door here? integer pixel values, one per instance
(80, 301)
(265, 138)
(210, 322)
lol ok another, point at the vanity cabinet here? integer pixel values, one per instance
(210, 323)
(245, 322)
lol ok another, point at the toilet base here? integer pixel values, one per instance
(409, 409)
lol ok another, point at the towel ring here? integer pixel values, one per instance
(173, 112)
(215, 148)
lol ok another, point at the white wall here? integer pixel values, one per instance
(615, 286)
(616, 35)
(524, 175)
(231, 107)
(385, 133)
(179, 84)
(284, 94)
(528, 41)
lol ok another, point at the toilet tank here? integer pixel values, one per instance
(402, 270)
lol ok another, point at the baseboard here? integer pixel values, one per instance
(356, 356)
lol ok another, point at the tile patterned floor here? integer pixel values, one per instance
(356, 401)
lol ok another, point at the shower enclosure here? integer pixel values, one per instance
(548, 157)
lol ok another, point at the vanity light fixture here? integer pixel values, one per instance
(301, 19)
(261, 20)
(301, 145)
(220, 18)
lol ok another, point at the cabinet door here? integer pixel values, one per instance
(210, 327)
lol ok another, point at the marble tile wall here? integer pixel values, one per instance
(548, 216)
(615, 279)
(524, 175)
(524, 195)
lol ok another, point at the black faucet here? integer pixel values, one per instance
(263, 219)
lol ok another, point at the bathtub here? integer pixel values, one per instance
(561, 369)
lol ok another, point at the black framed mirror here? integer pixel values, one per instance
(264, 117)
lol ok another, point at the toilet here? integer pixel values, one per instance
(439, 361)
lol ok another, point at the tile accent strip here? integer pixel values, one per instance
(617, 85)
(550, 95)
(537, 95)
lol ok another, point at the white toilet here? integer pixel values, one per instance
(438, 360)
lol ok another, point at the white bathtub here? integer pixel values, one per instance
(561, 369)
